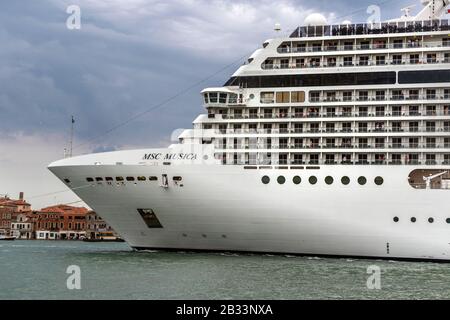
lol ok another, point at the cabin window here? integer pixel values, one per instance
(178, 179)
(90, 179)
(265, 180)
(379, 181)
(153, 178)
(142, 178)
(329, 180)
(281, 180)
(66, 180)
(130, 179)
(297, 180)
(345, 181)
(430, 220)
(120, 179)
(99, 179)
(362, 180)
(396, 219)
(312, 180)
(109, 179)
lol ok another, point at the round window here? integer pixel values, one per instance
(345, 181)
(252, 96)
(313, 180)
(297, 180)
(430, 220)
(362, 180)
(379, 181)
(413, 220)
(448, 220)
(396, 219)
(329, 180)
(265, 180)
(281, 180)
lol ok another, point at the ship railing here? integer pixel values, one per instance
(371, 28)
(363, 47)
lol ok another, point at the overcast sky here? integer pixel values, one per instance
(128, 56)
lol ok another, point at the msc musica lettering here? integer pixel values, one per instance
(170, 156)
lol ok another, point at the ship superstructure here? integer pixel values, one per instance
(333, 141)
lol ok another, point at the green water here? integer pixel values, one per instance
(37, 270)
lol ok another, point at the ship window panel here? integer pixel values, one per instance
(99, 179)
(90, 179)
(431, 220)
(150, 218)
(428, 76)
(283, 97)
(153, 179)
(297, 96)
(213, 97)
(310, 80)
(120, 179)
(109, 179)
(205, 96)
(267, 97)
(396, 219)
(223, 98)
(265, 180)
(142, 178)
(130, 178)
(177, 179)
(329, 180)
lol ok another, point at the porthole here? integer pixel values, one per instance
(312, 180)
(329, 180)
(379, 181)
(297, 180)
(109, 179)
(66, 180)
(413, 220)
(362, 180)
(178, 179)
(281, 180)
(142, 178)
(99, 179)
(448, 220)
(345, 181)
(119, 179)
(153, 178)
(430, 220)
(89, 179)
(396, 219)
(265, 180)
(130, 178)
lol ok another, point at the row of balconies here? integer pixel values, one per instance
(331, 146)
(378, 98)
(380, 45)
(365, 63)
(381, 114)
(333, 162)
(332, 130)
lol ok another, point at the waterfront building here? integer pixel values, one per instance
(9, 210)
(22, 227)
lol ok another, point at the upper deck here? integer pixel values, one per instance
(371, 29)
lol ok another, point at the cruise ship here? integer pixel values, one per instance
(333, 141)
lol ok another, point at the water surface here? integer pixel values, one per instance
(37, 270)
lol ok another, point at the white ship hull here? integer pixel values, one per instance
(229, 208)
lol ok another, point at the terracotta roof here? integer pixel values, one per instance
(65, 209)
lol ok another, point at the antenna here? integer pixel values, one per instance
(277, 27)
(407, 10)
(71, 137)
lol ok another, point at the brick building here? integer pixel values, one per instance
(9, 211)
(60, 222)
